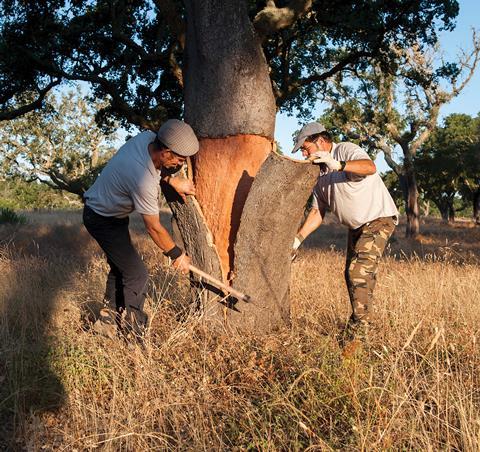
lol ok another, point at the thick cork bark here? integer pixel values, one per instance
(270, 219)
(224, 170)
(228, 91)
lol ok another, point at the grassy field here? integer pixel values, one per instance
(416, 386)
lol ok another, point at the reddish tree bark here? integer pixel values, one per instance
(224, 170)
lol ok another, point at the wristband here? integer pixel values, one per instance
(174, 253)
(342, 165)
(300, 237)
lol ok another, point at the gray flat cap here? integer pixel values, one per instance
(179, 137)
(312, 128)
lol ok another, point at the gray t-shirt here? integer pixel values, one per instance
(355, 200)
(128, 182)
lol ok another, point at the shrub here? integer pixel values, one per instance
(8, 215)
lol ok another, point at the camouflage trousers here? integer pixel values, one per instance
(364, 250)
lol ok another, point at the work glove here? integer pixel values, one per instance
(297, 241)
(326, 157)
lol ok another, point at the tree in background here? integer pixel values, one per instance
(448, 164)
(383, 109)
(61, 146)
(16, 194)
(227, 66)
(470, 187)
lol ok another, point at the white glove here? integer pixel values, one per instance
(297, 241)
(296, 244)
(326, 157)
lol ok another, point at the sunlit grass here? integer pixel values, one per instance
(414, 387)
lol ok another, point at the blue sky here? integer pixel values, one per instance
(467, 102)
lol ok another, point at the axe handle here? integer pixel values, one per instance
(219, 284)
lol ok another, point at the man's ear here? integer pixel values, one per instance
(164, 152)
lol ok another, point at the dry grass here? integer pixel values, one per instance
(415, 387)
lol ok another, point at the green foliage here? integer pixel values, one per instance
(449, 163)
(17, 194)
(390, 179)
(8, 215)
(131, 52)
(61, 147)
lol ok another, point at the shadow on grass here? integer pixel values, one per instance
(39, 262)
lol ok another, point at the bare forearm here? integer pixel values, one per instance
(158, 233)
(178, 259)
(161, 237)
(360, 167)
(181, 185)
(312, 222)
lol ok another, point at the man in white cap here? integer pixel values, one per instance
(131, 182)
(351, 188)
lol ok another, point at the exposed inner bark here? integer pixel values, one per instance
(270, 219)
(224, 169)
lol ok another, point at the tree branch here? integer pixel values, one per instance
(118, 103)
(6, 115)
(342, 64)
(272, 19)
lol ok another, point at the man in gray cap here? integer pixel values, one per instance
(131, 181)
(351, 188)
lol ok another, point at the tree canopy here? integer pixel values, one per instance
(61, 147)
(449, 163)
(131, 52)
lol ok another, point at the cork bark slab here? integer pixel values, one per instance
(270, 219)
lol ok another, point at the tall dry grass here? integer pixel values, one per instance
(415, 386)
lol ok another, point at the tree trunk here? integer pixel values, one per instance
(411, 207)
(426, 208)
(476, 206)
(451, 213)
(447, 211)
(443, 211)
(230, 104)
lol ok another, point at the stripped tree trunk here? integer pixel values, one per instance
(230, 104)
(411, 207)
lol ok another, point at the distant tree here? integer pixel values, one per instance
(383, 109)
(448, 164)
(391, 181)
(470, 187)
(61, 147)
(15, 193)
